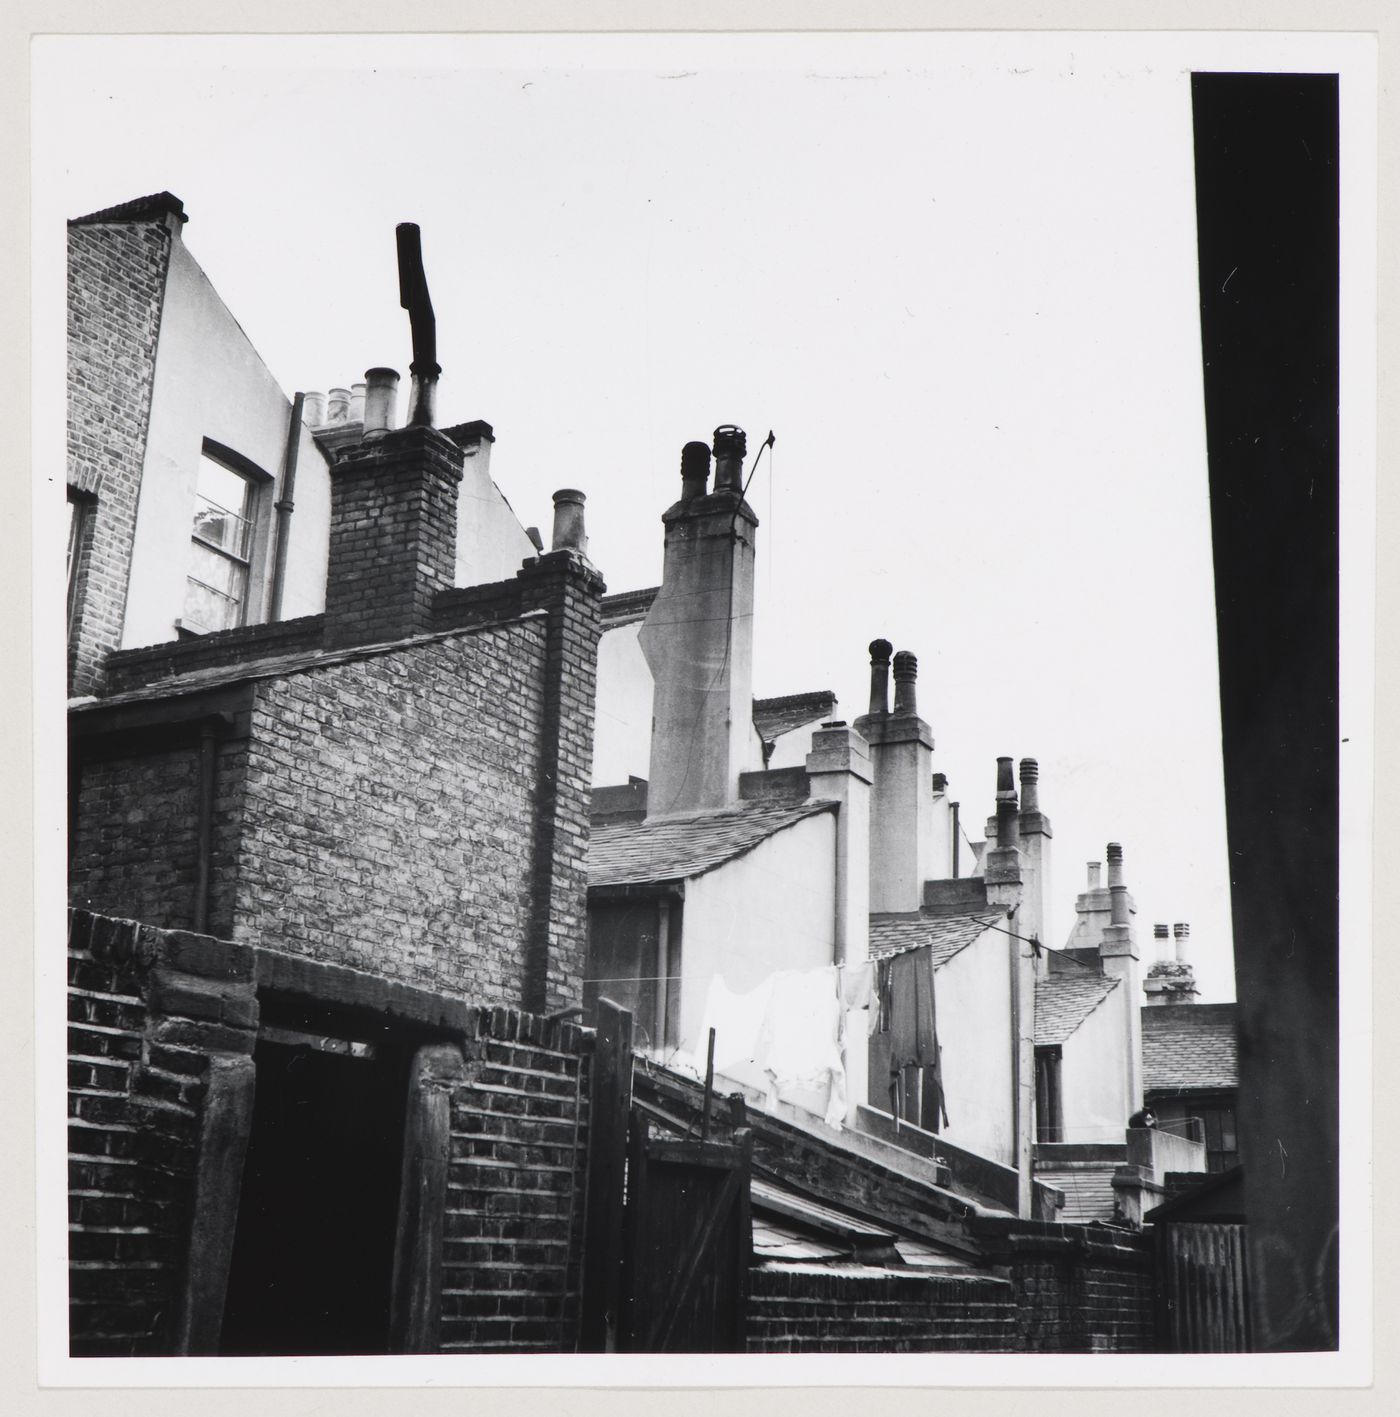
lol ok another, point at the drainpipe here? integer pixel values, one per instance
(208, 763)
(663, 974)
(284, 506)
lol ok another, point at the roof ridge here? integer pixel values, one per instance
(151, 206)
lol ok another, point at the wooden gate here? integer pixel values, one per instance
(1205, 1301)
(687, 1243)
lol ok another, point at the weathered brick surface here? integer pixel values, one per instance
(389, 809)
(1078, 1289)
(135, 668)
(116, 285)
(135, 840)
(805, 1310)
(140, 1041)
(393, 534)
(513, 1229)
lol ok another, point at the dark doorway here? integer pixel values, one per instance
(314, 1247)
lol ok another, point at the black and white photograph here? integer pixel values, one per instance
(718, 705)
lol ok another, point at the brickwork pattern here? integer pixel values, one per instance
(147, 1012)
(513, 1227)
(387, 819)
(135, 842)
(135, 668)
(794, 1309)
(1076, 1290)
(393, 535)
(116, 287)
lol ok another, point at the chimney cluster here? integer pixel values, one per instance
(1171, 980)
(698, 635)
(903, 847)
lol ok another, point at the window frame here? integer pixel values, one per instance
(258, 484)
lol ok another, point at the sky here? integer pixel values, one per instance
(954, 275)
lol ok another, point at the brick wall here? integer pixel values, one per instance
(116, 286)
(1077, 1289)
(807, 1310)
(134, 846)
(393, 534)
(513, 1226)
(151, 1016)
(134, 668)
(388, 822)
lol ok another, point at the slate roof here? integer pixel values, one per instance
(1189, 1047)
(774, 717)
(158, 204)
(945, 935)
(675, 848)
(1064, 1001)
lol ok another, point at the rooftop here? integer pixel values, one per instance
(1189, 1047)
(945, 935)
(156, 205)
(1064, 1001)
(679, 847)
(774, 717)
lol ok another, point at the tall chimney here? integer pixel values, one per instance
(1118, 956)
(698, 639)
(902, 829)
(1035, 834)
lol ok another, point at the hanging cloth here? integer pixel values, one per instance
(907, 999)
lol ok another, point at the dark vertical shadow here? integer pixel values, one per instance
(1266, 150)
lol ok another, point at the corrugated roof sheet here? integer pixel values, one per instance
(945, 935)
(675, 848)
(774, 717)
(1064, 1001)
(1189, 1046)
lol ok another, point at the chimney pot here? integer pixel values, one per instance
(313, 410)
(381, 393)
(1095, 867)
(357, 403)
(1030, 785)
(569, 534)
(1008, 827)
(1115, 864)
(731, 447)
(338, 406)
(695, 470)
(1183, 940)
(880, 677)
(906, 673)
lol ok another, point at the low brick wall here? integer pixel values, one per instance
(808, 1310)
(1078, 1288)
(159, 1023)
(513, 1225)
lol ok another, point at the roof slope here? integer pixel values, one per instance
(1189, 1046)
(945, 935)
(774, 717)
(150, 208)
(1064, 1001)
(674, 848)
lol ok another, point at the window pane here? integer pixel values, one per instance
(222, 506)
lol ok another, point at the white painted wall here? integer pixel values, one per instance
(211, 383)
(770, 910)
(790, 749)
(1093, 1075)
(622, 721)
(491, 542)
(972, 992)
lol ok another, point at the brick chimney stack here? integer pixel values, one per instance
(698, 636)
(393, 534)
(901, 803)
(1033, 828)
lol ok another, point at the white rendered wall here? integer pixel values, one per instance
(210, 383)
(622, 721)
(491, 543)
(770, 910)
(1093, 1075)
(972, 992)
